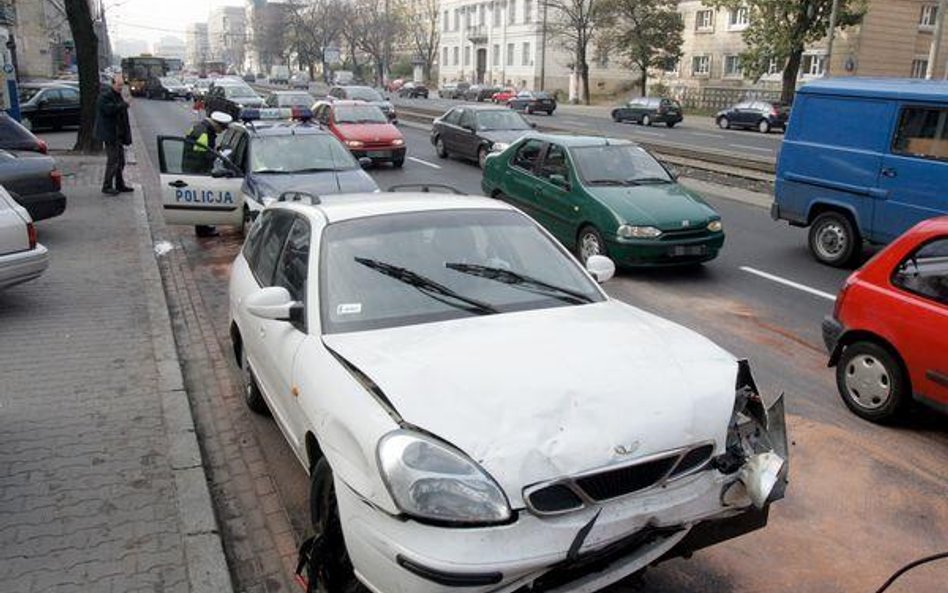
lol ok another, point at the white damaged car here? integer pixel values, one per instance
(476, 413)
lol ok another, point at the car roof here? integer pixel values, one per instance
(296, 92)
(338, 208)
(280, 128)
(886, 88)
(482, 108)
(571, 141)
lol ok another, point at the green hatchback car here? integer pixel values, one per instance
(603, 196)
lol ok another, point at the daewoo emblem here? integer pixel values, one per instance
(685, 223)
(627, 449)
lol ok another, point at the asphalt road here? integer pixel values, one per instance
(863, 500)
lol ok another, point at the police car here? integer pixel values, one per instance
(267, 153)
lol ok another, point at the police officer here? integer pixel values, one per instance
(197, 157)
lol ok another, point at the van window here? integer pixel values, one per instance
(842, 122)
(923, 133)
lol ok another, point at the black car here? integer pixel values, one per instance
(34, 182)
(648, 111)
(413, 90)
(762, 116)
(474, 131)
(363, 93)
(453, 90)
(48, 105)
(167, 88)
(289, 99)
(480, 92)
(532, 102)
(13, 136)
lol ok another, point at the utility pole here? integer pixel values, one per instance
(936, 39)
(834, 13)
(543, 49)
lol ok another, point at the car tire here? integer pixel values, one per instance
(724, 123)
(482, 157)
(440, 150)
(252, 395)
(834, 240)
(670, 124)
(646, 120)
(399, 162)
(872, 382)
(589, 241)
(528, 109)
(615, 116)
(27, 123)
(763, 126)
(337, 574)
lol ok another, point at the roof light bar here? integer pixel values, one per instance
(276, 114)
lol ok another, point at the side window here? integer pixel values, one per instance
(252, 243)
(554, 163)
(925, 272)
(453, 117)
(527, 155)
(291, 272)
(239, 156)
(178, 156)
(467, 120)
(271, 101)
(272, 239)
(923, 133)
(51, 97)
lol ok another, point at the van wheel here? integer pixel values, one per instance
(871, 382)
(646, 120)
(337, 574)
(724, 123)
(834, 240)
(763, 127)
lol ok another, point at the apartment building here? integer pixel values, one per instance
(227, 34)
(197, 49)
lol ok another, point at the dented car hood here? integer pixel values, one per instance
(543, 394)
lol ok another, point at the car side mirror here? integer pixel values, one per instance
(365, 162)
(274, 303)
(600, 267)
(672, 171)
(559, 181)
(219, 171)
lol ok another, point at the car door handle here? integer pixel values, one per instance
(262, 331)
(178, 183)
(889, 172)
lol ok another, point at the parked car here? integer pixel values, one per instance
(474, 131)
(364, 93)
(454, 90)
(249, 77)
(46, 105)
(22, 258)
(200, 87)
(13, 136)
(896, 162)
(289, 99)
(166, 87)
(605, 196)
(364, 129)
(299, 80)
(413, 90)
(533, 102)
(230, 96)
(34, 181)
(884, 362)
(479, 92)
(762, 116)
(385, 332)
(504, 95)
(648, 111)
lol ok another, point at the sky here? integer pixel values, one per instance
(150, 20)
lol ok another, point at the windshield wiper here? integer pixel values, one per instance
(521, 282)
(272, 171)
(644, 180)
(428, 287)
(317, 170)
(606, 182)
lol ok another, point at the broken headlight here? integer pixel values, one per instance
(756, 447)
(431, 480)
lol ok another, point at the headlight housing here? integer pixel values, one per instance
(628, 231)
(397, 142)
(355, 143)
(430, 480)
(715, 226)
(499, 146)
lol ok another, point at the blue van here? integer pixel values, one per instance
(863, 160)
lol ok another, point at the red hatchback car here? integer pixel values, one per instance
(888, 335)
(364, 129)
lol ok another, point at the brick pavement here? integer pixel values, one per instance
(101, 486)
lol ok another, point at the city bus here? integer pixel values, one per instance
(138, 70)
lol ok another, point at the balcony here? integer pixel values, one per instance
(7, 14)
(477, 34)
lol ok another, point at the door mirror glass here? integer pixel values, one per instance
(274, 303)
(600, 267)
(672, 171)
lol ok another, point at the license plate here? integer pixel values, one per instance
(686, 250)
(378, 154)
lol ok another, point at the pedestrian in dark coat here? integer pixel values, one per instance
(112, 128)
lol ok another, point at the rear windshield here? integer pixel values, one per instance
(363, 94)
(13, 136)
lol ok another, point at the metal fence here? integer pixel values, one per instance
(712, 98)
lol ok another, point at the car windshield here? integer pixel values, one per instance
(169, 81)
(238, 92)
(501, 119)
(294, 100)
(422, 267)
(618, 164)
(364, 94)
(27, 93)
(359, 114)
(299, 153)
(202, 83)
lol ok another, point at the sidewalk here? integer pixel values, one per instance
(102, 487)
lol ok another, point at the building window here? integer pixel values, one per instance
(498, 13)
(457, 19)
(601, 57)
(447, 22)
(455, 56)
(738, 19)
(732, 67)
(467, 56)
(467, 19)
(670, 65)
(927, 18)
(813, 65)
(774, 67)
(481, 14)
(527, 11)
(704, 20)
(701, 66)
(919, 67)
(496, 53)
(526, 59)
(444, 56)
(511, 12)
(510, 54)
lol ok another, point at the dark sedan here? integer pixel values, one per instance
(34, 182)
(648, 111)
(762, 116)
(474, 131)
(480, 92)
(48, 105)
(166, 87)
(453, 90)
(13, 136)
(413, 90)
(533, 102)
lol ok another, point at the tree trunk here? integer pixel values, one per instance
(584, 77)
(790, 75)
(643, 82)
(87, 57)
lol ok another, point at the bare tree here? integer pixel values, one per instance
(87, 57)
(370, 27)
(423, 24)
(576, 22)
(314, 25)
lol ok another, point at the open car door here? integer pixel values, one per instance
(210, 197)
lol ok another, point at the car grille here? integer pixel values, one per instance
(684, 233)
(573, 493)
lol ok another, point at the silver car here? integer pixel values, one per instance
(21, 257)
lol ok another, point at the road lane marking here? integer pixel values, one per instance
(790, 283)
(425, 163)
(748, 147)
(705, 134)
(659, 134)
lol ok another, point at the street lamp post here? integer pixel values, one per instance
(936, 39)
(834, 14)
(543, 49)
